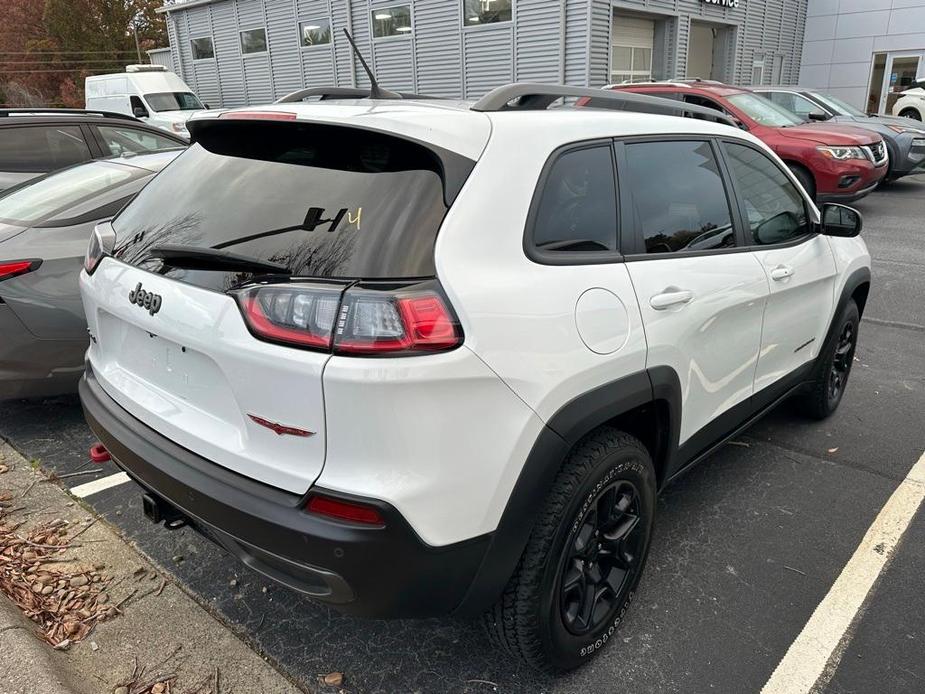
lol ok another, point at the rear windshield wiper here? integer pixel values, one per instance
(190, 258)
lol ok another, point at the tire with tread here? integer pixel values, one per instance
(815, 400)
(805, 178)
(525, 621)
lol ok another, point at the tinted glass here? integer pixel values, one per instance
(174, 101)
(578, 208)
(202, 48)
(315, 32)
(392, 21)
(763, 111)
(775, 209)
(838, 106)
(121, 140)
(795, 103)
(254, 41)
(678, 197)
(42, 148)
(57, 193)
(478, 12)
(324, 201)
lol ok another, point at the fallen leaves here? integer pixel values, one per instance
(66, 604)
(333, 679)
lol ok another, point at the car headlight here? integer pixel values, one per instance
(102, 241)
(179, 128)
(906, 129)
(842, 153)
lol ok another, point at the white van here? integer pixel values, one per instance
(150, 92)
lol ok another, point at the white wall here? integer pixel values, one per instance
(842, 36)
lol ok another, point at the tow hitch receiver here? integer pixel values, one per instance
(157, 510)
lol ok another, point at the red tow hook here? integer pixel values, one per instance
(98, 453)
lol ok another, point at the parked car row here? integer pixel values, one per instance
(415, 357)
(837, 153)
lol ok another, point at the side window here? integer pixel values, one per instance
(138, 108)
(775, 210)
(679, 200)
(42, 148)
(121, 140)
(577, 210)
(794, 103)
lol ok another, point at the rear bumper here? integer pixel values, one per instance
(370, 571)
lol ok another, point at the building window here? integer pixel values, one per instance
(202, 48)
(254, 41)
(315, 32)
(478, 12)
(777, 69)
(391, 21)
(758, 74)
(632, 43)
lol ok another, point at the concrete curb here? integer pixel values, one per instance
(26, 663)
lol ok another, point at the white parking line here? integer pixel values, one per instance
(83, 490)
(819, 647)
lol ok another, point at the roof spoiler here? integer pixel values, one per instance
(538, 97)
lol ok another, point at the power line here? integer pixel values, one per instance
(81, 52)
(66, 60)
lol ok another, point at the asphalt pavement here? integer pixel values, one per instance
(746, 545)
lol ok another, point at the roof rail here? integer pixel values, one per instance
(25, 111)
(538, 97)
(325, 93)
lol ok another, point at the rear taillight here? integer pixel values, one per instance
(293, 315)
(102, 240)
(363, 320)
(13, 268)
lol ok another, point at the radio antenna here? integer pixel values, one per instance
(375, 91)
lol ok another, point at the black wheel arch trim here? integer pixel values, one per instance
(564, 429)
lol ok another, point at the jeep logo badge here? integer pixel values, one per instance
(147, 300)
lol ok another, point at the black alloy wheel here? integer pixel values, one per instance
(841, 362)
(602, 559)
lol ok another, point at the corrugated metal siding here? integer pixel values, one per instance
(577, 19)
(439, 48)
(488, 59)
(283, 43)
(599, 57)
(537, 40)
(227, 47)
(445, 59)
(161, 56)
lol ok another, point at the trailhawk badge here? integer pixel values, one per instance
(147, 300)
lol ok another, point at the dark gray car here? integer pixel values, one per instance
(905, 138)
(45, 226)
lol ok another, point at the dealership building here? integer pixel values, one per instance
(237, 52)
(864, 51)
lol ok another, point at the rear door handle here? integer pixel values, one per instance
(671, 296)
(781, 272)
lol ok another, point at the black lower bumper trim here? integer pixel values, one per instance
(371, 571)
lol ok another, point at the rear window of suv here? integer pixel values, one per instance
(324, 201)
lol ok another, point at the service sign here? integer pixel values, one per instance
(723, 3)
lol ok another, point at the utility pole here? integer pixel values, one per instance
(137, 45)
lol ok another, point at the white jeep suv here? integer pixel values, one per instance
(911, 103)
(418, 357)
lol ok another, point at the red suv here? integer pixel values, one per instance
(835, 163)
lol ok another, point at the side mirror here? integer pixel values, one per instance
(840, 220)
(139, 112)
(817, 115)
(739, 124)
